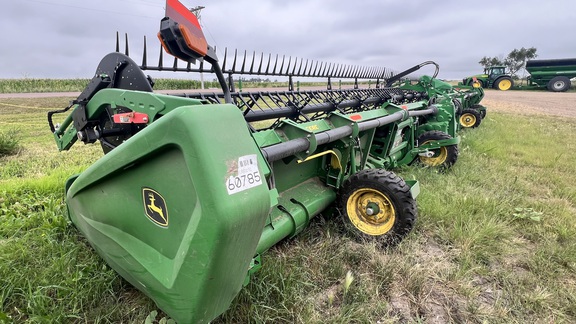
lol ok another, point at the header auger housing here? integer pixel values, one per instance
(193, 188)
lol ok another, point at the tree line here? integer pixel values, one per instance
(514, 62)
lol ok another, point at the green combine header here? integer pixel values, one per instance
(193, 188)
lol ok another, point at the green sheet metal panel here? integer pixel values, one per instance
(178, 210)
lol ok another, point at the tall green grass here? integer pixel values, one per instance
(495, 241)
(9, 142)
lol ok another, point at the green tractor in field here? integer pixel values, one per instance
(493, 77)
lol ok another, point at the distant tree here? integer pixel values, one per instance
(515, 61)
(487, 61)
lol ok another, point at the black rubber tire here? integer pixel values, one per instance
(395, 194)
(457, 106)
(470, 118)
(559, 84)
(445, 157)
(480, 109)
(499, 83)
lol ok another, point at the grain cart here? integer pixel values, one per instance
(469, 112)
(191, 191)
(493, 77)
(555, 75)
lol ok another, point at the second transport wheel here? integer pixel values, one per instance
(470, 118)
(444, 156)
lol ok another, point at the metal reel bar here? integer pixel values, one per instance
(308, 105)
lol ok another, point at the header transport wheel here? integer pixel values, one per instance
(480, 109)
(444, 157)
(470, 118)
(377, 206)
(503, 84)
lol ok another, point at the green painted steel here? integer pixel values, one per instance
(552, 74)
(174, 214)
(451, 101)
(296, 207)
(154, 105)
(185, 219)
(191, 192)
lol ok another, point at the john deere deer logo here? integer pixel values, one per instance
(155, 207)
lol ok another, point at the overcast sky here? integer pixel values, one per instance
(67, 38)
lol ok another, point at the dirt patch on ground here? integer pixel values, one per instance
(561, 104)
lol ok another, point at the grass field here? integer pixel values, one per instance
(495, 241)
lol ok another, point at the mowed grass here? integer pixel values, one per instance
(495, 241)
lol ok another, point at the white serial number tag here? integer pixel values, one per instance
(243, 174)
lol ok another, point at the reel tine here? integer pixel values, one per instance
(117, 42)
(252, 65)
(268, 65)
(243, 63)
(295, 64)
(275, 64)
(282, 66)
(234, 63)
(225, 57)
(261, 60)
(126, 49)
(144, 54)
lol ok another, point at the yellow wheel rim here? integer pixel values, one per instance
(505, 85)
(371, 211)
(467, 120)
(476, 84)
(440, 156)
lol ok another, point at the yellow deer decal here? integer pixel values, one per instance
(152, 206)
